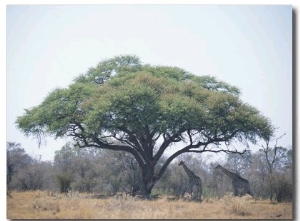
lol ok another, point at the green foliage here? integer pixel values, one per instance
(107, 68)
(164, 98)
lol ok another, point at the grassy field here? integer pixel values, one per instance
(42, 205)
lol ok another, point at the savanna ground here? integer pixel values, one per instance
(42, 205)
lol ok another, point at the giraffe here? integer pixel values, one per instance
(194, 180)
(240, 185)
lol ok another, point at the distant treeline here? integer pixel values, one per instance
(268, 171)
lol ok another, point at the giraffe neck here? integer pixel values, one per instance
(188, 171)
(228, 173)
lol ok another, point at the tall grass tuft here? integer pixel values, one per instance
(240, 207)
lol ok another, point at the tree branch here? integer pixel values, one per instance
(165, 144)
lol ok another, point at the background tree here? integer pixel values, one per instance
(33, 176)
(64, 166)
(278, 162)
(258, 175)
(147, 109)
(17, 159)
(84, 171)
(239, 163)
(94, 170)
(25, 172)
(116, 172)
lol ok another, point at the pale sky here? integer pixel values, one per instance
(248, 46)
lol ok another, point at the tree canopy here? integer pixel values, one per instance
(124, 105)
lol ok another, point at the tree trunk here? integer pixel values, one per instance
(148, 182)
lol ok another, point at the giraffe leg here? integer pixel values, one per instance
(197, 192)
(191, 189)
(200, 192)
(235, 191)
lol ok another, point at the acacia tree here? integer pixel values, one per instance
(124, 105)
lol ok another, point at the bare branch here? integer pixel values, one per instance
(267, 149)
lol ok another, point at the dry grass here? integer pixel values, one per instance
(40, 205)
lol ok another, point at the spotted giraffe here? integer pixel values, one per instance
(238, 182)
(194, 181)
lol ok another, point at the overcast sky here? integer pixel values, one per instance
(250, 47)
